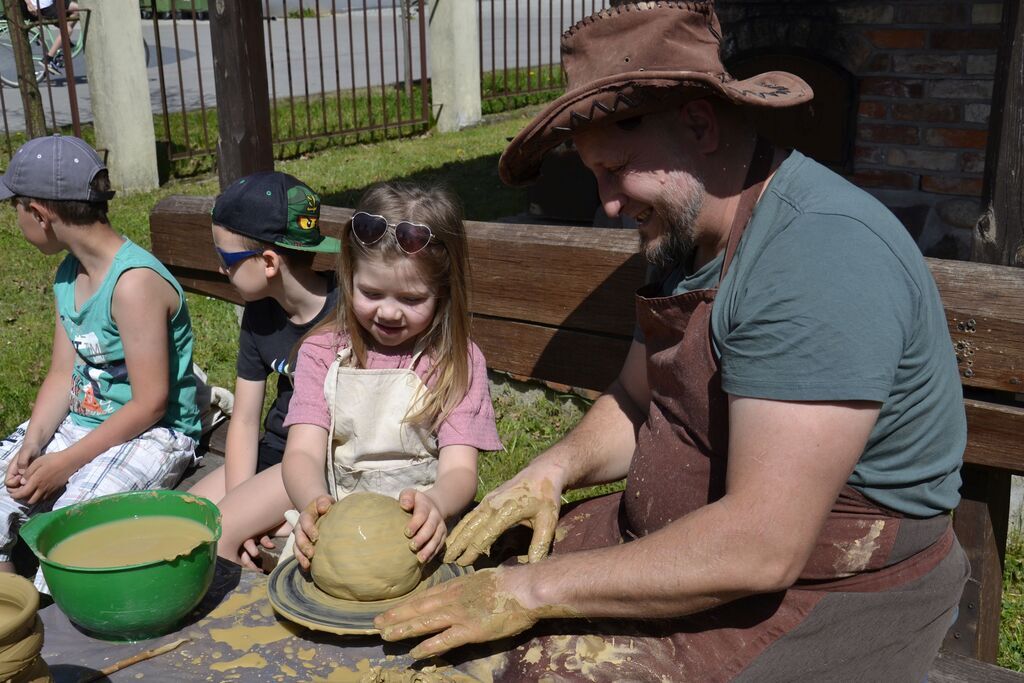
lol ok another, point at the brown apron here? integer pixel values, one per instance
(679, 466)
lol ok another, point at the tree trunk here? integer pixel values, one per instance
(35, 122)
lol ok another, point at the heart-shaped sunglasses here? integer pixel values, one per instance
(412, 238)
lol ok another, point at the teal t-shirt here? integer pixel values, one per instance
(829, 299)
(100, 382)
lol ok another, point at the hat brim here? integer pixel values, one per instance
(295, 597)
(623, 96)
(5, 192)
(327, 245)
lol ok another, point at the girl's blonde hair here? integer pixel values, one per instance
(443, 263)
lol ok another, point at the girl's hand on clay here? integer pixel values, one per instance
(306, 533)
(426, 530)
(531, 501)
(475, 608)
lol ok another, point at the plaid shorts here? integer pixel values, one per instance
(155, 459)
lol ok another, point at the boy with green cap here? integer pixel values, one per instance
(266, 232)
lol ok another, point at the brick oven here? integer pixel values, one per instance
(903, 92)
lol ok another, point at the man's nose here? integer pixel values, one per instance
(611, 198)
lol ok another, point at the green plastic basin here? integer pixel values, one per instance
(132, 602)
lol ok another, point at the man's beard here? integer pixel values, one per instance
(679, 216)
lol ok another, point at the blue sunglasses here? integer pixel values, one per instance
(232, 258)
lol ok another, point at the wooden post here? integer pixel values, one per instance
(35, 121)
(999, 234)
(980, 523)
(240, 78)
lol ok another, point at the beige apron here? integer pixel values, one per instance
(371, 446)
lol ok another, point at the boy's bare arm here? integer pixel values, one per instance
(141, 306)
(240, 455)
(54, 396)
(51, 407)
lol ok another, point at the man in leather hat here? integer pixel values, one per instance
(789, 418)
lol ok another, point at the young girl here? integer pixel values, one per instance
(391, 396)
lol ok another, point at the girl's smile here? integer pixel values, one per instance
(391, 300)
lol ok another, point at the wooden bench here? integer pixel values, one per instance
(555, 304)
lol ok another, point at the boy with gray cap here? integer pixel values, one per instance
(116, 411)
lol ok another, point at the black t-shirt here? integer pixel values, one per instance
(265, 345)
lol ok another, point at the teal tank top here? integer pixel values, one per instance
(100, 383)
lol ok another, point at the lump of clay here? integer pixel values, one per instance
(362, 553)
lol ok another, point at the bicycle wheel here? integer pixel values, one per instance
(8, 65)
(49, 34)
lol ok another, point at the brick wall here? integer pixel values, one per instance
(924, 78)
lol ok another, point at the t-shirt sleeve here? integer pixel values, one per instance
(824, 314)
(250, 365)
(308, 404)
(472, 422)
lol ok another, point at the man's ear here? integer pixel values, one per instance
(701, 120)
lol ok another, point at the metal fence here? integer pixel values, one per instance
(519, 46)
(336, 69)
(57, 86)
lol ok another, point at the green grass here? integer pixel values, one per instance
(1011, 631)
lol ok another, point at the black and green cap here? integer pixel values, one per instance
(274, 207)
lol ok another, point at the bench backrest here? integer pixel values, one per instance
(555, 303)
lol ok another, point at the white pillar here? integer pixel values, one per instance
(454, 55)
(119, 90)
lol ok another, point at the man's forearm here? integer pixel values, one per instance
(601, 446)
(703, 560)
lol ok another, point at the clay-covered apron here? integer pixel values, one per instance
(372, 447)
(679, 466)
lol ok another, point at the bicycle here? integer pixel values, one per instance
(41, 35)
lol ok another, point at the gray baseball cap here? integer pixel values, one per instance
(59, 167)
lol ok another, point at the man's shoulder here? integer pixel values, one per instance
(807, 187)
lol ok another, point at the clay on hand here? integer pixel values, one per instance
(529, 502)
(475, 608)
(362, 552)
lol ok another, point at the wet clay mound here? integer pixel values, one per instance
(362, 553)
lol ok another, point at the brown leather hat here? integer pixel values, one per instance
(636, 59)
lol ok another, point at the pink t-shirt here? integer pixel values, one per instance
(471, 423)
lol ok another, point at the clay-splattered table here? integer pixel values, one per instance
(234, 634)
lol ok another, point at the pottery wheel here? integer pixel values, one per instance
(296, 598)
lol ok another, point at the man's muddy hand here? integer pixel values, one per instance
(533, 502)
(476, 608)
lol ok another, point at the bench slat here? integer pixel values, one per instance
(994, 435)
(598, 271)
(577, 359)
(951, 668)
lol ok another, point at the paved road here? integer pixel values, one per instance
(311, 56)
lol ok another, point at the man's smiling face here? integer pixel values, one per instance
(643, 172)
